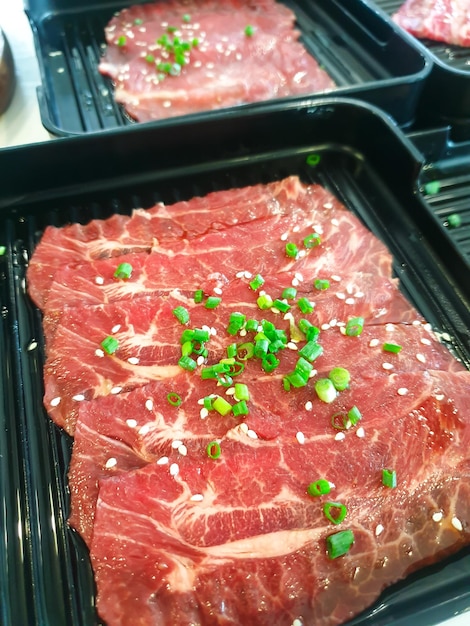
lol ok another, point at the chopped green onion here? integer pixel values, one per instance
(354, 415)
(340, 377)
(292, 250)
(354, 326)
(195, 42)
(389, 478)
(212, 302)
(213, 450)
(221, 405)
(186, 18)
(150, 58)
(289, 293)
(121, 41)
(236, 322)
(212, 371)
(3, 250)
(123, 271)
(305, 305)
(249, 30)
(208, 400)
(340, 421)
(454, 220)
(174, 399)
(187, 363)
(339, 544)
(110, 345)
(391, 347)
(171, 29)
(313, 159)
(261, 347)
(299, 377)
(311, 351)
(321, 284)
(198, 296)
(251, 325)
(269, 363)
(281, 306)
(241, 392)
(199, 334)
(224, 379)
(240, 408)
(246, 350)
(257, 282)
(175, 69)
(335, 512)
(181, 314)
(312, 240)
(138, 21)
(309, 330)
(319, 488)
(325, 390)
(232, 350)
(264, 302)
(236, 368)
(433, 187)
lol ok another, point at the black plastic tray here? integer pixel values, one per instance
(446, 95)
(366, 55)
(45, 575)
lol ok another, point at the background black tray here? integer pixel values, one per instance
(446, 95)
(45, 577)
(364, 52)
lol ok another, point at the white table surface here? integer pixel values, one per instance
(21, 123)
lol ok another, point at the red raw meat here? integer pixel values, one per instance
(441, 20)
(225, 68)
(250, 548)
(179, 538)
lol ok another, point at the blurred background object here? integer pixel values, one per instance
(7, 73)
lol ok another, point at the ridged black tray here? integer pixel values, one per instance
(366, 55)
(446, 95)
(45, 575)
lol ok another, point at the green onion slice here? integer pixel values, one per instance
(319, 488)
(187, 363)
(257, 282)
(212, 302)
(240, 408)
(289, 293)
(391, 347)
(313, 159)
(354, 415)
(213, 450)
(311, 351)
(236, 322)
(305, 305)
(335, 512)
(110, 345)
(292, 250)
(123, 271)
(281, 306)
(339, 544)
(122, 40)
(249, 30)
(454, 220)
(389, 478)
(181, 314)
(312, 240)
(340, 377)
(221, 405)
(246, 351)
(321, 284)
(264, 302)
(433, 187)
(269, 363)
(354, 326)
(241, 392)
(340, 421)
(325, 390)
(174, 399)
(198, 296)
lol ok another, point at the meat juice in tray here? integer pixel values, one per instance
(266, 431)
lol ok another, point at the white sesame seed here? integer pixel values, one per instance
(333, 323)
(176, 443)
(340, 296)
(296, 228)
(230, 391)
(358, 294)
(32, 346)
(440, 397)
(402, 391)
(131, 423)
(284, 236)
(174, 469)
(349, 301)
(336, 278)
(200, 360)
(197, 497)
(297, 622)
(342, 329)
(248, 275)
(295, 282)
(218, 291)
(203, 413)
(239, 274)
(99, 353)
(149, 405)
(421, 358)
(373, 343)
(301, 254)
(325, 327)
(55, 401)
(292, 346)
(425, 341)
(116, 329)
(251, 434)
(318, 229)
(300, 437)
(144, 430)
(427, 327)
(456, 523)
(213, 331)
(339, 436)
(206, 328)
(183, 450)
(360, 432)
(416, 323)
(116, 390)
(79, 397)
(437, 517)
(312, 373)
(308, 405)
(243, 332)
(133, 360)
(111, 463)
(163, 460)
(387, 366)
(389, 328)
(99, 280)
(244, 428)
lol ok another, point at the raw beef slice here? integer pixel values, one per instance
(441, 20)
(176, 58)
